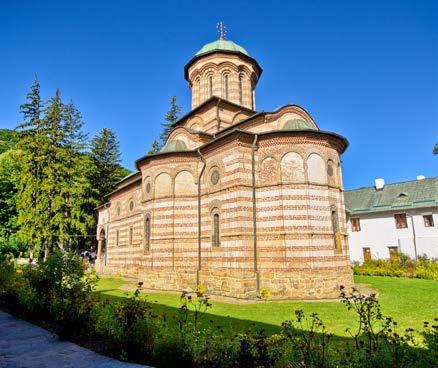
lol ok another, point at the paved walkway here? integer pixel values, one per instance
(23, 344)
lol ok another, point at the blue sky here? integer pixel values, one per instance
(365, 69)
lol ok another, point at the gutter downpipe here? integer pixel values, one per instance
(415, 236)
(204, 164)
(254, 148)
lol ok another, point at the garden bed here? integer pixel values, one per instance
(188, 333)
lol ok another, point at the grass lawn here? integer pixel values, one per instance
(408, 301)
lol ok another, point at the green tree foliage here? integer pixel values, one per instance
(170, 117)
(8, 139)
(435, 149)
(105, 163)
(67, 193)
(10, 168)
(50, 182)
(31, 139)
(155, 147)
(54, 192)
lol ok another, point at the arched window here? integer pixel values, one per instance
(241, 89)
(216, 230)
(210, 86)
(226, 86)
(147, 233)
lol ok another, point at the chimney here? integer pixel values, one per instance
(379, 183)
(421, 177)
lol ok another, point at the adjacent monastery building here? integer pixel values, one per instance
(388, 219)
(237, 200)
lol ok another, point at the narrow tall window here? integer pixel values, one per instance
(252, 97)
(117, 238)
(130, 235)
(241, 89)
(147, 233)
(428, 221)
(210, 86)
(216, 231)
(366, 254)
(400, 221)
(226, 86)
(355, 224)
(196, 92)
(393, 253)
(335, 229)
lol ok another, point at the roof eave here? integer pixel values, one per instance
(205, 103)
(196, 57)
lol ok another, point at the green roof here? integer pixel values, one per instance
(176, 145)
(221, 45)
(398, 196)
(297, 124)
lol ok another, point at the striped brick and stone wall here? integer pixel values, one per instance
(297, 254)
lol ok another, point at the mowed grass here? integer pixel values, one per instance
(408, 301)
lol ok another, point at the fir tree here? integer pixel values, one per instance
(30, 139)
(105, 162)
(54, 144)
(155, 147)
(51, 206)
(170, 117)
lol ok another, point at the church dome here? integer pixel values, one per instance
(221, 45)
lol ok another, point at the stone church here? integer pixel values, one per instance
(239, 200)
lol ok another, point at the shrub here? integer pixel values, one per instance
(423, 267)
(12, 247)
(130, 323)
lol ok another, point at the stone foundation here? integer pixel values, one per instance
(243, 285)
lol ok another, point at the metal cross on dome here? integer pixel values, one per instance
(222, 30)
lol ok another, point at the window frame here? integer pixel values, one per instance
(355, 227)
(240, 89)
(393, 257)
(403, 216)
(369, 252)
(131, 235)
(334, 216)
(215, 228)
(226, 81)
(147, 232)
(430, 222)
(210, 86)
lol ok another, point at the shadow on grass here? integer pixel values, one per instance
(227, 325)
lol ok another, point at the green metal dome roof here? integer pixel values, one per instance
(297, 124)
(221, 45)
(176, 145)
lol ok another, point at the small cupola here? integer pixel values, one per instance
(224, 69)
